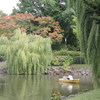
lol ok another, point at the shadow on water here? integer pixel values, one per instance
(38, 87)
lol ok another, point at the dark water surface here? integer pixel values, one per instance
(39, 87)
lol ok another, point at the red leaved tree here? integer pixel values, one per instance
(44, 26)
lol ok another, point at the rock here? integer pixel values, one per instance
(63, 97)
(3, 70)
(72, 95)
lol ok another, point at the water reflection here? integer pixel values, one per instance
(84, 85)
(69, 87)
(38, 87)
(25, 88)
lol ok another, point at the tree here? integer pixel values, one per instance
(26, 54)
(58, 9)
(9, 23)
(43, 26)
(47, 27)
(32, 6)
(88, 17)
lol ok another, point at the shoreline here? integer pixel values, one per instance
(80, 69)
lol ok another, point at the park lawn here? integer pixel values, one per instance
(81, 65)
(91, 95)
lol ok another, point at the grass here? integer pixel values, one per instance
(81, 65)
(91, 95)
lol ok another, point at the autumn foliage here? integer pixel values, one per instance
(43, 26)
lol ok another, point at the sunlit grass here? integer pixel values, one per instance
(91, 95)
(81, 65)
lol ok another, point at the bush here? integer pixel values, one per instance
(56, 62)
(68, 61)
(74, 53)
(62, 61)
(60, 52)
(66, 53)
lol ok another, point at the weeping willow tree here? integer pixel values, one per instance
(26, 54)
(88, 23)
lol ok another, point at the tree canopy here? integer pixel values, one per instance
(43, 26)
(26, 54)
(58, 9)
(88, 23)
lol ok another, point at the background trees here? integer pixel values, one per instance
(43, 26)
(58, 9)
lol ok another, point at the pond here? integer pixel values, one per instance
(39, 87)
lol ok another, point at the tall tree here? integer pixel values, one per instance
(32, 6)
(26, 54)
(88, 15)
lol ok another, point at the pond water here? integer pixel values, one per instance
(39, 87)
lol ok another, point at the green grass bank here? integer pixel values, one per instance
(91, 95)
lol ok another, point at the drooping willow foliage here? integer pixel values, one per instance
(88, 17)
(26, 54)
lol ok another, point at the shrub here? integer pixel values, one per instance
(56, 95)
(60, 52)
(74, 53)
(62, 61)
(68, 61)
(64, 52)
(55, 62)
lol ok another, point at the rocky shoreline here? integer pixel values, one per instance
(56, 70)
(3, 67)
(61, 70)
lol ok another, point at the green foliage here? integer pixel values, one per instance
(89, 28)
(47, 27)
(60, 12)
(91, 95)
(43, 26)
(34, 7)
(3, 47)
(68, 61)
(56, 62)
(27, 54)
(62, 61)
(66, 58)
(74, 53)
(56, 95)
(60, 52)
(66, 52)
